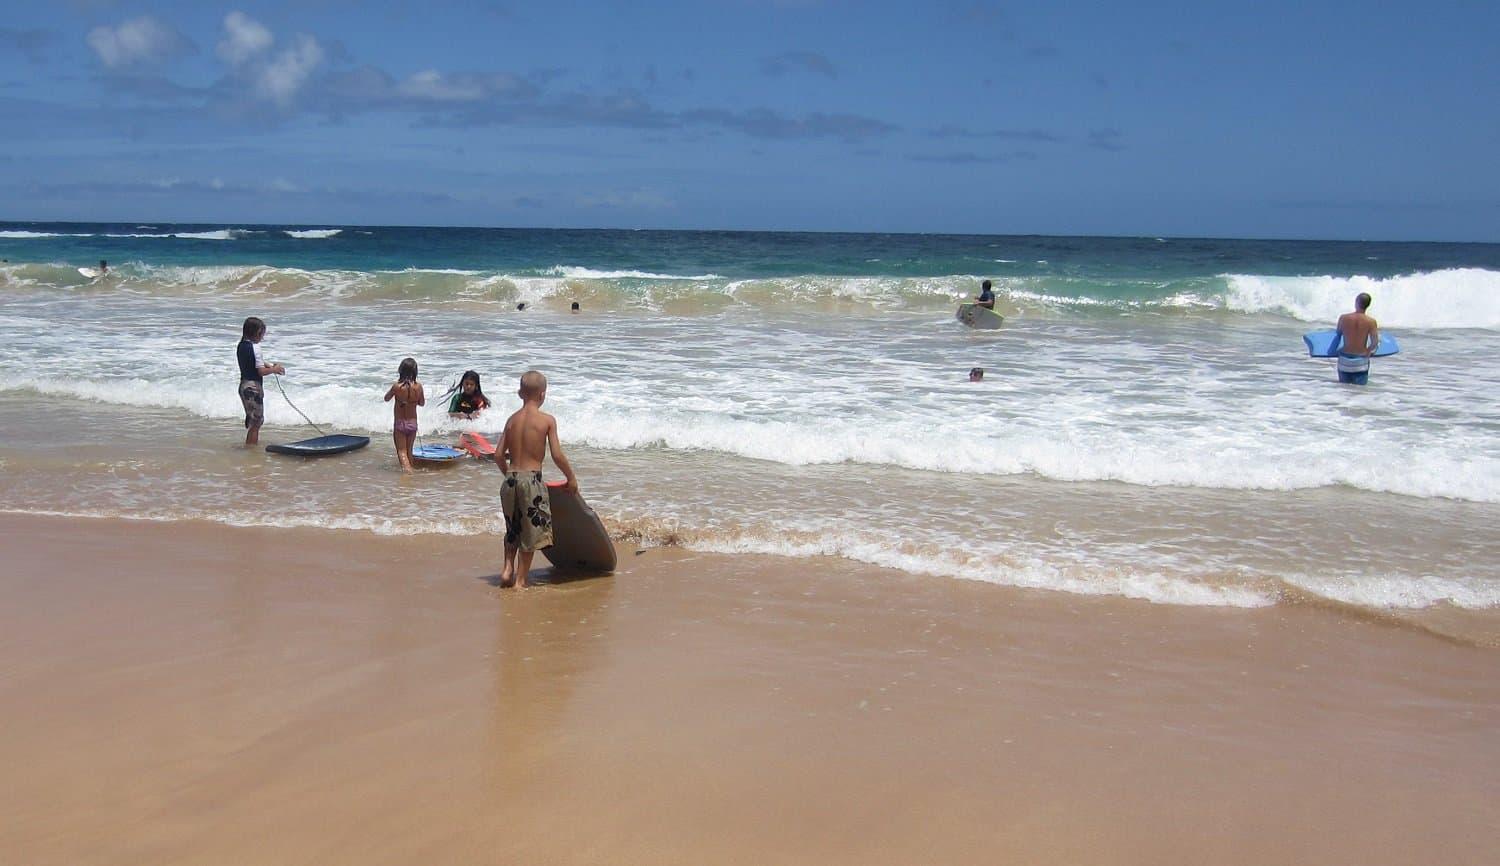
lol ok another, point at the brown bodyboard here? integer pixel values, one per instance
(579, 539)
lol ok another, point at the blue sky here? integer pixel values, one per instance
(1271, 119)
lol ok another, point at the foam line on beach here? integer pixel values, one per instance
(1391, 594)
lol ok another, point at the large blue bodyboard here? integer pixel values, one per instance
(321, 446)
(1325, 344)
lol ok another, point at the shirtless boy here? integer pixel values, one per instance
(529, 433)
(1359, 336)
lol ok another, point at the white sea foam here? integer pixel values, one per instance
(1264, 459)
(574, 272)
(1065, 441)
(217, 235)
(220, 235)
(1129, 583)
(20, 234)
(1400, 592)
(312, 233)
(1450, 298)
(377, 524)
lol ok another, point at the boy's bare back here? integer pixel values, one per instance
(525, 438)
(530, 433)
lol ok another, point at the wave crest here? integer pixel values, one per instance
(1451, 298)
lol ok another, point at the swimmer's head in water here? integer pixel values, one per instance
(521, 306)
(976, 374)
(575, 306)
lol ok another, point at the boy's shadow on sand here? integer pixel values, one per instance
(550, 576)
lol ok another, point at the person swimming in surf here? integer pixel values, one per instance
(468, 399)
(986, 297)
(1359, 337)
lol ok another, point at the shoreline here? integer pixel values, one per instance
(203, 693)
(1464, 626)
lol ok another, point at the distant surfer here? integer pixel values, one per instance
(1359, 336)
(469, 400)
(529, 433)
(986, 297)
(575, 307)
(103, 267)
(253, 371)
(976, 374)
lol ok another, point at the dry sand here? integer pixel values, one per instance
(200, 694)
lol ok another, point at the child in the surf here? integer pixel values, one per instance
(468, 400)
(408, 394)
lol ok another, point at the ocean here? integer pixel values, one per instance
(1148, 425)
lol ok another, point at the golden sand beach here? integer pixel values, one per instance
(193, 693)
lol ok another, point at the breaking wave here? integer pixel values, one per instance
(1451, 298)
(1441, 299)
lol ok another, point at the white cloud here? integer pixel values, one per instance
(248, 47)
(432, 85)
(137, 41)
(283, 75)
(244, 38)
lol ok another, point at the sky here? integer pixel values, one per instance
(1270, 119)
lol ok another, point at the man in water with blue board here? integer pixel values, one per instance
(1359, 337)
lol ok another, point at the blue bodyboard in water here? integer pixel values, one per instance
(1325, 344)
(321, 446)
(438, 454)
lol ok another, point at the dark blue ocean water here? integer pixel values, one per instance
(735, 255)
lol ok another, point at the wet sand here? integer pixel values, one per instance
(192, 693)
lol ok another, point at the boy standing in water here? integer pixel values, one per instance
(1360, 336)
(253, 371)
(529, 433)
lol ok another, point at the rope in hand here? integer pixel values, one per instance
(294, 406)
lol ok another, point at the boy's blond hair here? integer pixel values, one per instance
(533, 383)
